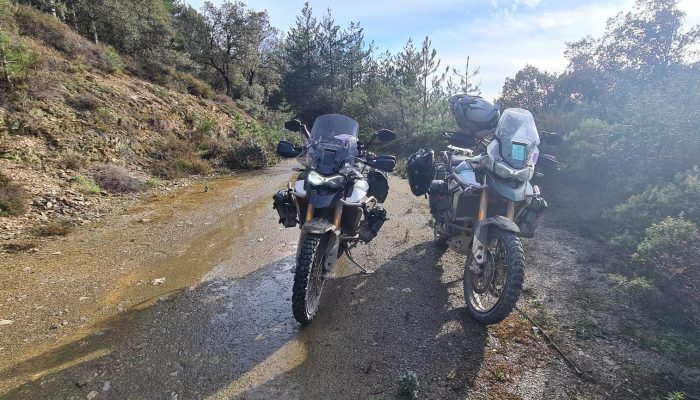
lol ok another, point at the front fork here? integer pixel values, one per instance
(322, 227)
(481, 231)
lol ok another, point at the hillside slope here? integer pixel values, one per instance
(74, 115)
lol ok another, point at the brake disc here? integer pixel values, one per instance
(481, 281)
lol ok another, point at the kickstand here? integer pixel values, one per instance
(364, 270)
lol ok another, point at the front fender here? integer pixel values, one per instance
(481, 234)
(320, 226)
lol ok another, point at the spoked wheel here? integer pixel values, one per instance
(308, 279)
(491, 293)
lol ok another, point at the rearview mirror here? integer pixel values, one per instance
(386, 135)
(287, 149)
(293, 125)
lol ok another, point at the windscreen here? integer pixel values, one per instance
(333, 142)
(333, 125)
(517, 137)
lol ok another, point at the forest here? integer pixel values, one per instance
(626, 104)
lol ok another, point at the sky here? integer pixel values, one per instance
(499, 36)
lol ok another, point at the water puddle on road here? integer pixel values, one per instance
(149, 253)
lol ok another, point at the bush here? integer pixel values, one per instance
(116, 179)
(71, 160)
(250, 155)
(669, 249)
(109, 60)
(178, 159)
(87, 186)
(657, 202)
(86, 102)
(12, 197)
(19, 59)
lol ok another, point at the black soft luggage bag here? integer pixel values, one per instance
(420, 170)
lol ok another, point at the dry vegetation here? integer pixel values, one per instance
(79, 119)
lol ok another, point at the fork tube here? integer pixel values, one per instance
(309, 212)
(483, 204)
(338, 214)
(511, 210)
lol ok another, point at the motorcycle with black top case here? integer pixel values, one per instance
(482, 200)
(336, 200)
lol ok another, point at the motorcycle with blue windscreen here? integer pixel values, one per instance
(482, 200)
(336, 200)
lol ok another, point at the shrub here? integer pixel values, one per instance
(116, 179)
(408, 385)
(19, 59)
(86, 102)
(178, 159)
(196, 87)
(658, 202)
(109, 60)
(86, 186)
(669, 249)
(250, 155)
(12, 197)
(205, 129)
(71, 160)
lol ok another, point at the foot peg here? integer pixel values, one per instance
(364, 270)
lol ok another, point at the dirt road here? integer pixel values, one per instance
(188, 296)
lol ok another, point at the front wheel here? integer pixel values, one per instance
(491, 293)
(308, 279)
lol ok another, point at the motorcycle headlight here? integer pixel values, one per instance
(333, 181)
(503, 170)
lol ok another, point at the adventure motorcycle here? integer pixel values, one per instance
(336, 200)
(482, 201)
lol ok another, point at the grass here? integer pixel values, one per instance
(52, 229)
(153, 182)
(86, 185)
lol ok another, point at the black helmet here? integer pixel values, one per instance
(474, 115)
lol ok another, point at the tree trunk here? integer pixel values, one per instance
(52, 4)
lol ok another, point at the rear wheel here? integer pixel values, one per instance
(308, 279)
(491, 293)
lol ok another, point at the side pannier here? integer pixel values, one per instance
(420, 170)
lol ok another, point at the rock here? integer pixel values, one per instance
(144, 220)
(92, 395)
(6, 322)
(260, 239)
(158, 281)
(106, 386)
(56, 253)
